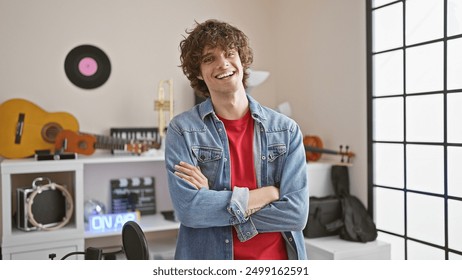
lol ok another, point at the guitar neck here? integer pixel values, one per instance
(320, 150)
(85, 143)
(129, 145)
(110, 143)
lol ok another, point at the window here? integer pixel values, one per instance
(415, 126)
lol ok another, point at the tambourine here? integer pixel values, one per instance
(37, 191)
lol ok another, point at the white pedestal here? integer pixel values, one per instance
(319, 178)
(334, 248)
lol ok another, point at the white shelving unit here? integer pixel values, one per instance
(86, 178)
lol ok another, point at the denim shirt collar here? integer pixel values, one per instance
(206, 108)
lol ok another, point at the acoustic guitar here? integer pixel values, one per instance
(84, 143)
(26, 128)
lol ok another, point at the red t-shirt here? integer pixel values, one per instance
(264, 246)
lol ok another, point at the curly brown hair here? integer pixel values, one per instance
(212, 33)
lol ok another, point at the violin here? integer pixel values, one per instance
(314, 149)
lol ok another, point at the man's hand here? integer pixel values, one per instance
(260, 197)
(192, 174)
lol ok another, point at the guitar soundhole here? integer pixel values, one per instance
(83, 145)
(50, 131)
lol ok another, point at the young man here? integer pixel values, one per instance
(236, 170)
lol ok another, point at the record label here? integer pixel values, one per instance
(87, 66)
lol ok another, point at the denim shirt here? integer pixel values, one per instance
(208, 215)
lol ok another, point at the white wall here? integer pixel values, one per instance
(321, 71)
(314, 49)
(140, 37)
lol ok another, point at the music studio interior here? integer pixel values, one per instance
(322, 63)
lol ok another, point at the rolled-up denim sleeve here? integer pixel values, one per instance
(238, 204)
(238, 207)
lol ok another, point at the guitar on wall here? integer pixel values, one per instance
(26, 128)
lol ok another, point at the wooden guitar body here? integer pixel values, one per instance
(75, 142)
(26, 128)
(312, 141)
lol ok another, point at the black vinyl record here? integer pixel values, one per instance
(87, 66)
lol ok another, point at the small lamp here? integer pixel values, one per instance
(256, 78)
(284, 108)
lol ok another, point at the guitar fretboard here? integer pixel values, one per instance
(110, 143)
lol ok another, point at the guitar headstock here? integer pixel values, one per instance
(141, 146)
(345, 153)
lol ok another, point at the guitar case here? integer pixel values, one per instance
(326, 213)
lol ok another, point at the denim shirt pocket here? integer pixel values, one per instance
(276, 154)
(208, 159)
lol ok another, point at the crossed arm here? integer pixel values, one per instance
(258, 198)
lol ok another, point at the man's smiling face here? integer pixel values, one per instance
(221, 70)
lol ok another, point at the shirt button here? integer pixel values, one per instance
(225, 159)
(248, 233)
(290, 239)
(226, 241)
(220, 130)
(263, 158)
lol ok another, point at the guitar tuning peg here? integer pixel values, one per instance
(346, 152)
(341, 153)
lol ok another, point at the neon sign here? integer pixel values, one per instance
(105, 222)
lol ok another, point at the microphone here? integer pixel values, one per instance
(134, 242)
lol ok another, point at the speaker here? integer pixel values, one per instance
(45, 207)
